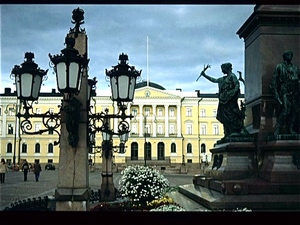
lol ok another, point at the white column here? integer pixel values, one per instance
(166, 120)
(128, 120)
(116, 119)
(4, 125)
(141, 121)
(154, 124)
(178, 120)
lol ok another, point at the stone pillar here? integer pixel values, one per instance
(166, 120)
(154, 123)
(72, 193)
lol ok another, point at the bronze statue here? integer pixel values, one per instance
(285, 85)
(229, 113)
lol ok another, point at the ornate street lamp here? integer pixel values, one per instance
(123, 80)
(68, 67)
(28, 78)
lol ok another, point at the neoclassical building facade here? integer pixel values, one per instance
(170, 126)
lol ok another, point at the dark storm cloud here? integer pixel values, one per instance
(182, 38)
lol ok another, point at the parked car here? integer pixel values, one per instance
(49, 166)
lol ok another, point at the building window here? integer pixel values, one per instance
(134, 151)
(189, 129)
(160, 129)
(202, 113)
(189, 112)
(216, 130)
(37, 148)
(51, 125)
(148, 129)
(214, 113)
(50, 160)
(24, 148)
(37, 127)
(11, 111)
(172, 112)
(173, 148)
(161, 151)
(9, 148)
(189, 161)
(134, 111)
(159, 112)
(147, 111)
(189, 148)
(0, 111)
(202, 129)
(50, 148)
(203, 148)
(133, 129)
(122, 148)
(172, 129)
(10, 129)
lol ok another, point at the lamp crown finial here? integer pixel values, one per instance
(29, 56)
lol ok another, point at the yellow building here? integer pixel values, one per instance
(175, 126)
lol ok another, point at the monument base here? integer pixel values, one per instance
(233, 160)
(281, 160)
(68, 199)
(215, 200)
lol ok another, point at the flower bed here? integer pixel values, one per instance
(141, 189)
(142, 184)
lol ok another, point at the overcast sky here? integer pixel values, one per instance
(182, 38)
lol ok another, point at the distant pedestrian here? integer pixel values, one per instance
(37, 169)
(3, 170)
(25, 169)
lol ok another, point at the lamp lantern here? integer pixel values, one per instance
(28, 78)
(69, 67)
(123, 80)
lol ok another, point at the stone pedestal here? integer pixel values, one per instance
(279, 164)
(238, 161)
(108, 192)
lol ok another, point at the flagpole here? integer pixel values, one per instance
(147, 63)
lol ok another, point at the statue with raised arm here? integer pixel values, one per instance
(285, 86)
(229, 113)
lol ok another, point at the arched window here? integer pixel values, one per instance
(161, 151)
(37, 148)
(203, 148)
(50, 148)
(189, 148)
(147, 148)
(24, 148)
(134, 151)
(173, 148)
(9, 148)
